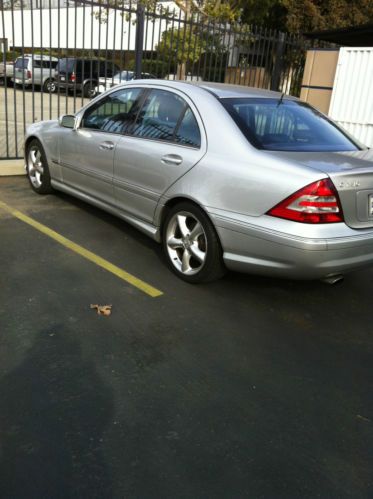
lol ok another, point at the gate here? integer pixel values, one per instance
(36, 35)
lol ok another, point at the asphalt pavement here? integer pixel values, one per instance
(247, 387)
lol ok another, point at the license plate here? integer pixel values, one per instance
(371, 205)
(62, 78)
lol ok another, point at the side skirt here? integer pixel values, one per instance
(145, 227)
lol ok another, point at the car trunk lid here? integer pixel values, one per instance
(352, 174)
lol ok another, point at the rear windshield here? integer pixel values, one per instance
(21, 63)
(286, 125)
(66, 65)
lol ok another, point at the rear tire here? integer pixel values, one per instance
(49, 86)
(37, 168)
(191, 245)
(89, 90)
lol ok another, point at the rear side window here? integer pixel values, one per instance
(167, 117)
(21, 63)
(188, 133)
(115, 113)
(286, 125)
(45, 64)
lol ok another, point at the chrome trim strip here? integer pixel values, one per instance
(88, 172)
(136, 189)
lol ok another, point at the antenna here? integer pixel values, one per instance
(281, 99)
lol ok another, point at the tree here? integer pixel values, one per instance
(313, 15)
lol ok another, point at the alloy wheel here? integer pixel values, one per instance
(35, 167)
(186, 243)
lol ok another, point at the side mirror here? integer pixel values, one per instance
(67, 121)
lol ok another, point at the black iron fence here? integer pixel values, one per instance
(57, 54)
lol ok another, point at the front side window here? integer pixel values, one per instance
(115, 113)
(286, 125)
(167, 117)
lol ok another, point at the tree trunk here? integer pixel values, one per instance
(181, 71)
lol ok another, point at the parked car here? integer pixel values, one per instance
(224, 176)
(121, 77)
(83, 75)
(35, 69)
(6, 72)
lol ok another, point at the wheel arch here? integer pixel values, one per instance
(27, 143)
(175, 201)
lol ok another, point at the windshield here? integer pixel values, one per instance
(286, 125)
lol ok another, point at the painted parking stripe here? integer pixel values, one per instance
(92, 257)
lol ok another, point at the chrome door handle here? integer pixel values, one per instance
(106, 146)
(172, 159)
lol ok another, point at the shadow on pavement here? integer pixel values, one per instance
(54, 410)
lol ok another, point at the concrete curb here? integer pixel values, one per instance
(12, 167)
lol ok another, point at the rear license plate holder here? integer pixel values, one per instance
(370, 205)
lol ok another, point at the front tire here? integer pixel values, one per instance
(37, 168)
(191, 245)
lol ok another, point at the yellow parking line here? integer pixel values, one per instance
(92, 257)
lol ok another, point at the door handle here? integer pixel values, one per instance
(172, 159)
(106, 146)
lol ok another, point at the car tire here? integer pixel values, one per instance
(89, 90)
(49, 86)
(37, 168)
(191, 244)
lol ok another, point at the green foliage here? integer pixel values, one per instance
(312, 15)
(181, 45)
(158, 68)
(299, 16)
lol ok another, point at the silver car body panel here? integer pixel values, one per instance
(235, 183)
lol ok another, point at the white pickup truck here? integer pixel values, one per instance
(6, 71)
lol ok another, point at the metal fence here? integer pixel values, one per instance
(37, 36)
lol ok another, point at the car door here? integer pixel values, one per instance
(87, 153)
(165, 142)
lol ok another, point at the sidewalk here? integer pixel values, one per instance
(11, 167)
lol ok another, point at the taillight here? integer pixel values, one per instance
(29, 74)
(72, 77)
(317, 203)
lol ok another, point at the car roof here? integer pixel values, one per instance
(220, 90)
(38, 56)
(226, 90)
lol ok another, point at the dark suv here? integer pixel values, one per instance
(83, 74)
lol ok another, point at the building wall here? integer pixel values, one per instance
(55, 28)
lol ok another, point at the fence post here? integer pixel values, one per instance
(140, 21)
(278, 65)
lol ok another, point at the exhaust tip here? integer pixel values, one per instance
(333, 279)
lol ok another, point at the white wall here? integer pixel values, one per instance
(40, 29)
(352, 98)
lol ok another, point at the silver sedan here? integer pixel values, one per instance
(223, 176)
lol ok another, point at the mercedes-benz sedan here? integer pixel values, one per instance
(223, 176)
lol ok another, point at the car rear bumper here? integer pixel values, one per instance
(69, 86)
(258, 250)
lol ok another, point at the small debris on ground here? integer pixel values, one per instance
(102, 309)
